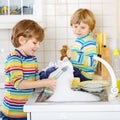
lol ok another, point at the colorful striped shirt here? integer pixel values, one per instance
(18, 68)
(82, 55)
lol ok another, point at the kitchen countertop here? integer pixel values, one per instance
(33, 105)
(105, 110)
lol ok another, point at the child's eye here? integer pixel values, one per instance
(75, 26)
(34, 42)
(82, 27)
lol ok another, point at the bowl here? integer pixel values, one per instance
(94, 85)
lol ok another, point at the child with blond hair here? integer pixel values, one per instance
(85, 47)
(21, 70)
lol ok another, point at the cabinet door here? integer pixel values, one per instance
(28, 7)
(18, 7)
(14, 7)
(11, 11)
(3, 7)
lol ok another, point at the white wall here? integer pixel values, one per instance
(57, 15)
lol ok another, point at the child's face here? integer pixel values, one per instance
(30, 46)
(80, 30)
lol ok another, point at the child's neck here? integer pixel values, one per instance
(22, 51)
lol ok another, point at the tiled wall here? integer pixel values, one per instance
(58, 32)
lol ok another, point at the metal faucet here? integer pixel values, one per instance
(114, 89)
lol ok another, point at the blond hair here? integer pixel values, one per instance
(28, 29)
(85, 16)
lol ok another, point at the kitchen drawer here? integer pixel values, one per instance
(75, 116)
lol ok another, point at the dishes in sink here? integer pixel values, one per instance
(94, 85)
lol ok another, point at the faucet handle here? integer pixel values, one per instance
(113, 95)
(114, 91)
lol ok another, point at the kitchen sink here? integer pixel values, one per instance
(105, 108)
(43, 96)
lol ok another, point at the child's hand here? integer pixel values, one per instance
(51, 84)
(69, 53)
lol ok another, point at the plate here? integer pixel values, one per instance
(94, 85)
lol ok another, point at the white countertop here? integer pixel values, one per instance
(33, 106)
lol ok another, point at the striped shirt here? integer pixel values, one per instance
(18, 68)
(82, 55)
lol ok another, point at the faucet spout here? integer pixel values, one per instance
(114, 89)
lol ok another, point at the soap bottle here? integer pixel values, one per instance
(116, 67)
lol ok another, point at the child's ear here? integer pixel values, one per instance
(22, 40)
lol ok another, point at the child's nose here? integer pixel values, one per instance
(78, 29)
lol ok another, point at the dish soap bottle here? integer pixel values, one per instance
(116, 67)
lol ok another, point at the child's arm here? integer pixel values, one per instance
(15, 76)
(37, 84)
